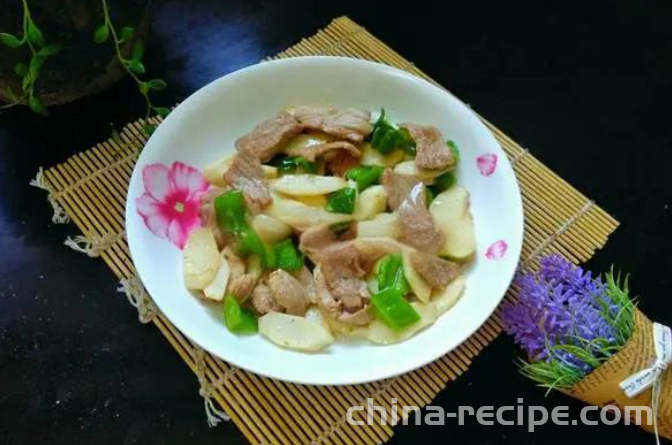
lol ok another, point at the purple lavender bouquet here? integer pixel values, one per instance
(568, 322)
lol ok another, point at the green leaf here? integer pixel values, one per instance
(27, 82)
(34, 34)
(148, 129)
(136, 66)
(126, 33)
(138, 51)
(157, 84)
(162, 111)
(35, 66)
(101, 34)
(35, 104)
(21, 69)
(10, 40)
(50, 50)
(144, 87)
(11, 95)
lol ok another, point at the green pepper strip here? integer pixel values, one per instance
(455, 150)
(289, 164)
(393, 309)
(385, 137)
(391, 274)
(364, 176)
(342, 201)
(232, 217)
(238, 319)
(288, 256)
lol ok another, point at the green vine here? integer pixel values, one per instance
(133, 64)
(33, 38)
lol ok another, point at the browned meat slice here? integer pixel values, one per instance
(348, 123)
(341, 163)
(247, 175)
(417, 225)
(342, 260)
(320, 237)
(436, 271)
(308, 282)
(430, 147)
(398, 187)
(326, 302)
(316, 151)
(240, 283)
(288, 292)
(351, 292)
(207, 213)
(362, 317)
(332, 308)
(263, 301)
(268, 138)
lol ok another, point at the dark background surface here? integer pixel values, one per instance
(586, 86)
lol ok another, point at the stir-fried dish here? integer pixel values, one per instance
(324, 224)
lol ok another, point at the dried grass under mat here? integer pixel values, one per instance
(91, 189)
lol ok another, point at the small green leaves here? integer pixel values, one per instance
(162, 111)
(136, 66)
(148, 129)
(34, 34)
(35, 66)
(11, 95)
(101, 34)
(35, 104)
(10, 40)
(21, 69)
(126, 33)
(138, 51)
(157, 84)
(50, 50)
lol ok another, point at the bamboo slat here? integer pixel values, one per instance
(91, 188)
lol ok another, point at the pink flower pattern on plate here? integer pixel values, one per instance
(170, 205)
(497, 250)
(487, 163)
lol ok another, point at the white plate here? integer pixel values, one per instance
(205, 126)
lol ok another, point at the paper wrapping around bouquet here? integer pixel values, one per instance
(601, 387)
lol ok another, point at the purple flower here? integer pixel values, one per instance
(559, 305)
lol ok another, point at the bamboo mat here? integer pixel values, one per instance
(91, 189)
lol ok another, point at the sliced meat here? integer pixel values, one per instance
(247, 175)
(353, 125)
(316, 151)
(326, 302)
(398, 187)
(340, 163)
(263, 301)
(431, 151)
(209, 219)
(318, 238)
(339, 261)
(288, 292)
(416, 223)
(332, 308)
(240, 284)
(351, 292)
(268, 138)
(361, 317)
(308, 282)
(436, 271)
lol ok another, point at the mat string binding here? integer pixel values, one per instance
(213, 414)
(59, 216)
(139, 298)
(94, 245)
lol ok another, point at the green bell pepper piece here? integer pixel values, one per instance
(392, 309)
(238, 319)
(445, 181)
(288, 256)
(364, 176)
(342, 201)
(455, 150)
(231, 211)
(391, 274)
(249, 243)
(291, 164)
